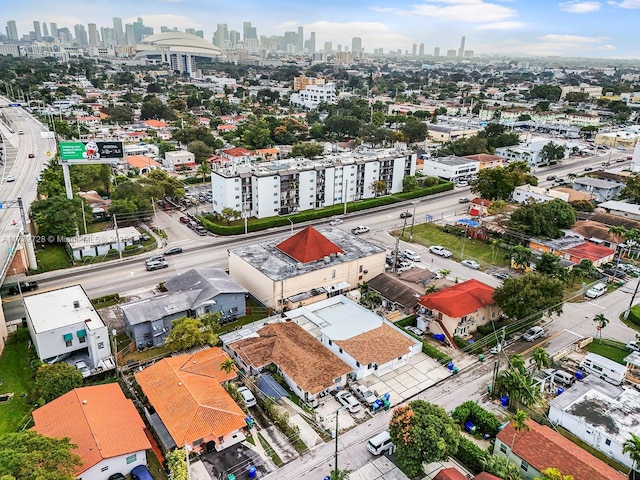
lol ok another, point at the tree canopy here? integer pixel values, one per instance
(529, 294)
(498, 183)
(543, 219)
(57, 216)
(422, 433)
(55, 380)
(31, 456)
(189, 332)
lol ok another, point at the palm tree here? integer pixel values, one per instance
(540, 357)
(519, 387)
(632, 447)
(228, 365)
(431, 289)
(517, 364)
(500, 467)
(553, 474)
(521, 256)
(602, 322)
(519, 424)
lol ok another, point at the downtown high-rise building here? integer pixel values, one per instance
(118, 31)
(248, 32)
(300, 39)
(436, 52)
(328, 47)
(221, 36)
(356, 45)
(421, 50)
(54, 29)
(108, 37)
(45, 30)
(36, 30)
(129, 35)
(12, 30)
(310, 44)
(94, 39)
(414, 49)
(461, 49)
(81, 35)
(234, 38)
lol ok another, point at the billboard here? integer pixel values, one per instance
(90, 151)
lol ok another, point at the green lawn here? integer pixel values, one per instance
(15, 375)
(52, 256)
(609, 349)
(428, 234)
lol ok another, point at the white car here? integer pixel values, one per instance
(348, 401)
(462, 183)
(10, 178)
(411, 255)
(471, 264)
(364, 394)
(403, 267)
(440, 250)
(415, 330)
(634, 346)
(533, 333)
(359, 229)
(249, 399)
(82, 367)
(336, 221)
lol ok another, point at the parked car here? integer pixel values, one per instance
(26, 286)
(411, 255)
(415, 330)
(336, 221)
(596, 291)
(440, 250)
(533, 334)
(117, 476)
(502, 275)
(406, 214)
(144, 237)
(10, 178)
(359, 229)
(348, 401)
(464, 200)
(200, 230)
(141, 472)
(363, 394)
(471, 264)
(551, 177)
(184, 220)
(497, 348)
(560, 376)
(173, 250)
(82, 367)
(462, 183)
(247, 395)
(633, 345)
(151, 266)
(31, 155)
(613, 272)
(403, 267)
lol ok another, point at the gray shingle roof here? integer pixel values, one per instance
(208, 282)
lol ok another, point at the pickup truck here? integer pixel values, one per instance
(363, 394)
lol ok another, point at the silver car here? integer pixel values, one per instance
(533, 334)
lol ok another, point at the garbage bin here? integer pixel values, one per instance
(253, 471)
(504, 401)
(560, 390)
(579, 375)
(450, 365)
(481, 357)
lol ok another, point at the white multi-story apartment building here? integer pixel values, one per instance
(314, 95)
(286, 186)
(451, 168)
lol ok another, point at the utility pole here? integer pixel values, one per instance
(115, 223)
(335, 467)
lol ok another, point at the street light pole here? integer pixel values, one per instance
(413, 221)
(291, 222)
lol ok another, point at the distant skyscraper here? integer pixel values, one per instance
(436, 52)
(36, 30)
(248, 31)
(12, 30)
(54, 30)
(45, 30)
(414, 49)
(300, 39)
(81, 35)
(234, 38)
(118, 31)
(310, 44)
(356, 45)
(129, 35)
(328, 47)
(221, 36)
(451, 53)
(64, 35)
(421, 50)
(108, 37)
(94, 39)
(338, 48)
(461, 49)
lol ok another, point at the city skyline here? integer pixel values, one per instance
(599, 29)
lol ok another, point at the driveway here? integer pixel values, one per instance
(234, 460)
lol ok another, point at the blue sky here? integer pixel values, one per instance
(589, 28)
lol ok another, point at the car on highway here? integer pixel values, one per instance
(411, 255)
(588, 169)
(26, 286)
(533, 334)
(440, 251)
(336, 221)
(173, 250)
(348, 401)
(31, 155)
(471, 264)
(359, 229)
(551, 177)
(20, 132)
(155, 258)
(247, 396)
(10, 178)
(464, 200)
(502, 275)
(406, 214)
(151, 266)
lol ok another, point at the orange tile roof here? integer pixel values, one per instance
(378, 345)
(268, 151)
(450, 474)
(590, 251)
(237, 152)
(155, 123)
(481, 201)
(300, 356)
(100, 420)
(542, 447)
(186, 393)
(459, 300)
(308, 245)
(141, 161)
(227, 127)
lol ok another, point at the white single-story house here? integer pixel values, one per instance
(99, 243)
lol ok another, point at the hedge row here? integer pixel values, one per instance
(256, 225)
(471, 455)
(470, 411)
(435, 353)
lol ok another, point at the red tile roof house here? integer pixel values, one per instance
(103, 423)
(541, 447)
(458, 310)
(238, 155)
(479, 207)
(598, 254)
(191, 403)
(142, 162)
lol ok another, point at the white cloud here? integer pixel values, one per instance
(580, 7)
(511, 25)
(626, 4)
(468, 11)
(552, 44)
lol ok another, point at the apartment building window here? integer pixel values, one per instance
(68, 339)
(524, 466)
(503, 448)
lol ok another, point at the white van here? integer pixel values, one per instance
(560, 376)
(597, 290)
(602, 367)
(381, 443)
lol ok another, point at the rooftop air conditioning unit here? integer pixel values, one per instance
(76, 304)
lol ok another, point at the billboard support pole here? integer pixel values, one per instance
(67, 180)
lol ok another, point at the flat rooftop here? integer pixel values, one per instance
(55, 309)
(452, 160)
(277, 265)
(107, 237)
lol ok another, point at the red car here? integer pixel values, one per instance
(184, 220)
